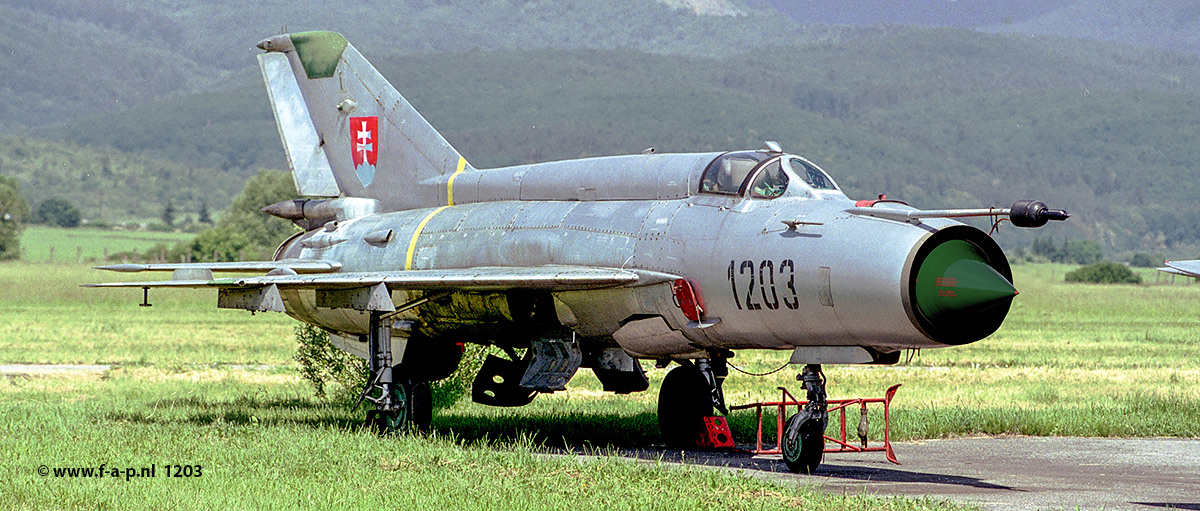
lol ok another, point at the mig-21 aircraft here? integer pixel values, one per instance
(1186, 268)
(406, 252)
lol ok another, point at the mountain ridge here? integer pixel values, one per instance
(939, 117)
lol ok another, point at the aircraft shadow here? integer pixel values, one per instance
(633, 436)
(244, 410)
(892, 475)
(561, 431)
(1170, 505)
(747, 461)
(273, 402)
(568, 431)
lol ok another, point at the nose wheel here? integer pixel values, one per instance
(803, 442)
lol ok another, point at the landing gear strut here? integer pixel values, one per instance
(401, 405)
(803, 441)
(688, 394)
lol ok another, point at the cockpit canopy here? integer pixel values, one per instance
(762, 175)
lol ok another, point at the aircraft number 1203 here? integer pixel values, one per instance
(764, 284)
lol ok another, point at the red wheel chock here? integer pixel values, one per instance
(840, 443)
(716, 435)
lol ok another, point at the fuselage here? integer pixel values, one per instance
(777, 266)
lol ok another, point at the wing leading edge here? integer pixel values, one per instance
(371, 290)
(552, 278)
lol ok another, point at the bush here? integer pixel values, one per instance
(57, 211)
(323, 364)
(1104, 273)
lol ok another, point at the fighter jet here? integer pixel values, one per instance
(1185, 268)
(407, 251)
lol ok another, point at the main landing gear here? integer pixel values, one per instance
(688, 394)
(692, 392)
(401, 404)
(803, 442)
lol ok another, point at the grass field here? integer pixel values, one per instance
(193, 385)
(44, 244)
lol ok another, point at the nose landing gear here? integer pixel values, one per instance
(803, 442)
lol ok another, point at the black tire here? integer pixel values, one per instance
(683, 402)
(803, 443)
(415, 413)
(421, 406)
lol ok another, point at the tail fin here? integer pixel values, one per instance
(346, 131)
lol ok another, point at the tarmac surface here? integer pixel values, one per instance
(1000, 472)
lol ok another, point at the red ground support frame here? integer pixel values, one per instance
(838, 406)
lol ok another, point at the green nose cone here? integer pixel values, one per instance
(956, 282)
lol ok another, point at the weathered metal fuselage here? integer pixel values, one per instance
(792, 271)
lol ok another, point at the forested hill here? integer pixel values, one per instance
(111, 186)
(1166, 24)
(63, 58)
(941, 118)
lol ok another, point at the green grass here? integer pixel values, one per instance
(262, 440)
(1087, 360)
(45, 317)
(42, 244)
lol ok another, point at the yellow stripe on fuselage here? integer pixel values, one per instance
(462, 164)
(412, 245)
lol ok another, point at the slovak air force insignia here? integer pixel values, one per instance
(364, 144)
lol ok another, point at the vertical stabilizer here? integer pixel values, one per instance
(346, 131)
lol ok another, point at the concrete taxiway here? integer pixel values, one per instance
(1001, 472)
(1030, 473)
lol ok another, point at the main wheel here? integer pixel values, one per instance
(683, 402)
(803, 443)
(414, 410)
(420, 405)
